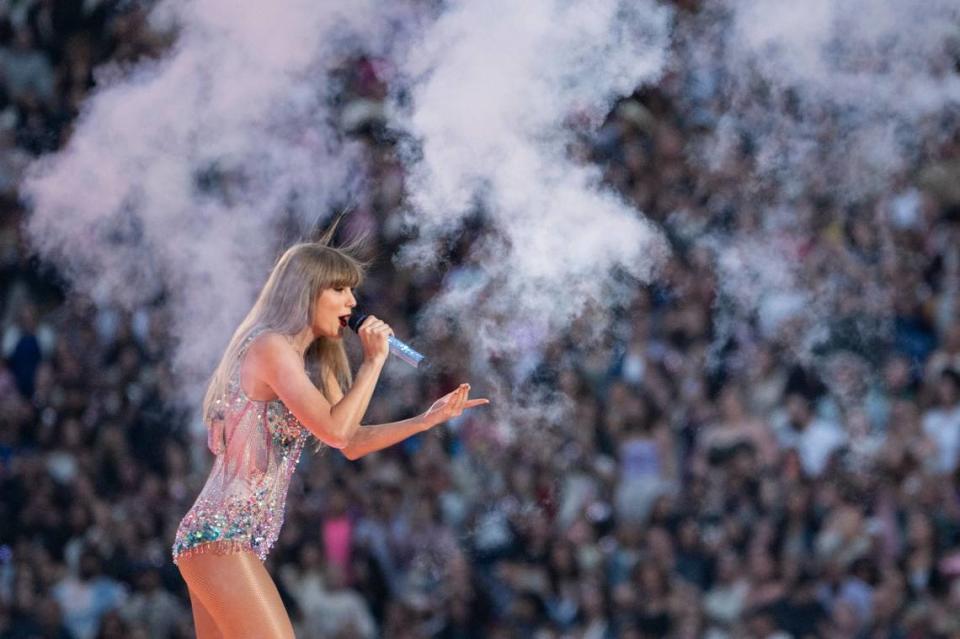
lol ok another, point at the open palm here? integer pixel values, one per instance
(451, 405)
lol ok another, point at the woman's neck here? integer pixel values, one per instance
(302, 340)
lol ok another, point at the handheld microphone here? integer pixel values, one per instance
(398, 348)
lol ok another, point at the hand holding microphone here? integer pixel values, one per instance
(368, 327)
(373, 333)
(377, 339)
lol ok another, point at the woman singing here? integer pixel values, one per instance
(284, 376)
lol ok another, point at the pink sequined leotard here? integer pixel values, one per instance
(257, 446)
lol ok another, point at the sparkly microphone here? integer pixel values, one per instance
(397, 347)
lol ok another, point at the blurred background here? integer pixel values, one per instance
(711, 479)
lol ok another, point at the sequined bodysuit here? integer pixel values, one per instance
(257, 446)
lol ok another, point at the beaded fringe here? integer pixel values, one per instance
(220, 547)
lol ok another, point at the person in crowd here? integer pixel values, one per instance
(941, 423)
(101, 460)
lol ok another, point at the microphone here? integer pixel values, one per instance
(398, 348)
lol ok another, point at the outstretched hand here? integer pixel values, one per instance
(451, 405)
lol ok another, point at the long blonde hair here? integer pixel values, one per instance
(285, 306)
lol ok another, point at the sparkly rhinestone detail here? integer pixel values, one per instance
(257, 446)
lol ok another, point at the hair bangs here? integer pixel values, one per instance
(344, 270)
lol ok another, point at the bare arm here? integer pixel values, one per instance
(352, 406)
(337, 424)
(369, 439)
(275, 363)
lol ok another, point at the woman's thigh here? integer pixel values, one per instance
(203, 622)
(238, 594)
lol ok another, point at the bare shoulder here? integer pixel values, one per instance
(269, 341)
(269, 351)
(274, 369)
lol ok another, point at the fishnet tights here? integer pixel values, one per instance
(233, 597)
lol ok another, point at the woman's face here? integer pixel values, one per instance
(331, 310)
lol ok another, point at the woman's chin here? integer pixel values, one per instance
(336, 336)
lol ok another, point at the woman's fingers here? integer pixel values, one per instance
(453, 402)
(376, 325)
(461, 399)
(456, 401)
(373, 334)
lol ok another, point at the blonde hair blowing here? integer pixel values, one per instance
(285, 306)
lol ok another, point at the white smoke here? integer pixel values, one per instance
(836, 94)
(836, 100)
(494, 87)
(188, 174)
(241, 103)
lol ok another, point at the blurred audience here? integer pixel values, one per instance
(700, 489)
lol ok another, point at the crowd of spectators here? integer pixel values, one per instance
(688, 494)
